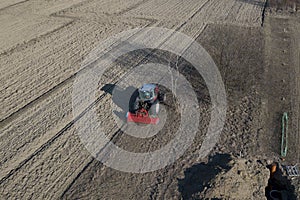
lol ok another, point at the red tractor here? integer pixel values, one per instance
(145, 108)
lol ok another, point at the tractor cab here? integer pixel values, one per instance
(148, 92)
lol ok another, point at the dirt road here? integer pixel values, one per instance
(43, 44)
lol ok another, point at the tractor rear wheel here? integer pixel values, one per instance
(162, 98)
(154, 109)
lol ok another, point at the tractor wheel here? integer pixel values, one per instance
(162, 98)
(154, 109)
(134, 106)
(134, 102)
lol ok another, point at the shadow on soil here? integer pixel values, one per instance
(123, 98)
(279, 186)
(198, 176)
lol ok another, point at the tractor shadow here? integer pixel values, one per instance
(123, 98)
(198, 176)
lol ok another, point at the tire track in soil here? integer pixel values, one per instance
(192, 16)
(86, 8)
(12, 5)
(166, 10)
(46, 146)
(131, 8)
(24, 70)
(114, 137)
(17, 47)
(49, 142)
(36, 11)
